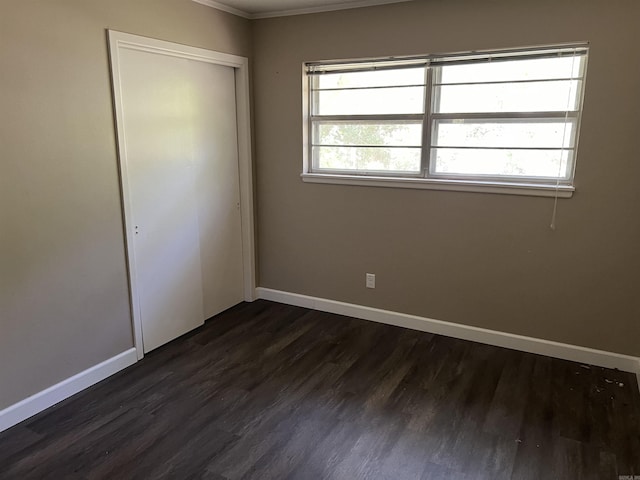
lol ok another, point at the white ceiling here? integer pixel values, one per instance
(279, 8)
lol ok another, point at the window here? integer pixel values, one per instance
(498, 121)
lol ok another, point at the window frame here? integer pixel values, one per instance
(426, 177)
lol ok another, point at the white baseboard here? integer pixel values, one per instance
(40, 401)
(538, 346)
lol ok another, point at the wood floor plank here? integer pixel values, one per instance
(327, 453)
(504, 416)
(17, 444)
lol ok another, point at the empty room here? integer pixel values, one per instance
(308, 239)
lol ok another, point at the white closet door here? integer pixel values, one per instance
(177, 141)
(218, 187)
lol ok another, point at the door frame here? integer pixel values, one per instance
(119, 41)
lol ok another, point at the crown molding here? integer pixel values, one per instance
(224, 8)
(296, 11)
(325, 8)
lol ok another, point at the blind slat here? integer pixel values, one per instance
(368, 65)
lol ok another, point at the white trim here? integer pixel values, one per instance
(325, 8)
(40, 401)
(245, 170)
(538, 346)
(564, 191)
(224, 8)
(296, 11)
(119, 40)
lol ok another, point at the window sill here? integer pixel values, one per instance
(530, 189)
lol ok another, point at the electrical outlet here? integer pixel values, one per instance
(371, 280)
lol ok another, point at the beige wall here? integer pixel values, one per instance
(478, 259)
(63, 288)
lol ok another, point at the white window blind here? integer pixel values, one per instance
(509, 116)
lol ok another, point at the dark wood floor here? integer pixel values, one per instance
(266, 390)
